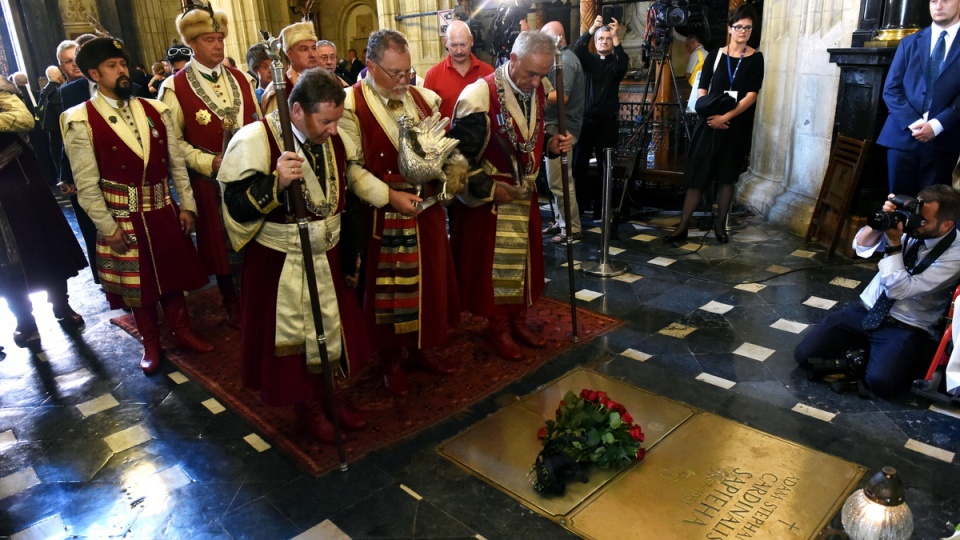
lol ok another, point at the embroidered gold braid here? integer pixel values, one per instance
(510, 252)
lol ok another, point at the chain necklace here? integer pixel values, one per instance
(507, 122)
(325, 209)
(228, 115)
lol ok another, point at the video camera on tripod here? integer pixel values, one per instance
(662, 17)
(506, 27)
(462, 13)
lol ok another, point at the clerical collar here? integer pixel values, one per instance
(516, 89)
(213, 72)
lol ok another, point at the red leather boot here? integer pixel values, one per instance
(350, 418)
(394, 379)
(426, 361)
(149, 329)
(523, 333)
(175, 310)
(502, 340)
(315, 423)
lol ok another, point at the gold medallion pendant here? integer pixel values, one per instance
(203, 117)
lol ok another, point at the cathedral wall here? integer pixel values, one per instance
(793, 130)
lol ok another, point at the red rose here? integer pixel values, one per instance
(542, 433)
(563, 403)
(627, 419)
(607, 403)
(636, 433)
(641, 453)
(601, 395)
(588, 395)
(620, 409)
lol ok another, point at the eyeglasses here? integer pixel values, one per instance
(179, 51)
(741, 28)
(396, 76)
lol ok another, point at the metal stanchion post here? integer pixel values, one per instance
(605, 267)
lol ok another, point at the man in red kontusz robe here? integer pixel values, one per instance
(409, 289)
(209, 102)
(496, 226)
(279, 351)
(123, 153)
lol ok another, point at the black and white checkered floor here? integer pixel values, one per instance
(89, 447)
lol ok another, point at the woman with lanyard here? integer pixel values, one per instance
(721, 140)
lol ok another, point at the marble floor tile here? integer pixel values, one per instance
(127, 438)
(17, 482)
(194, 476)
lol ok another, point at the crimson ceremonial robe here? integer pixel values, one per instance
(137, 193)
(474, 230)
(282, 379)
(208, 136)
(437, 307)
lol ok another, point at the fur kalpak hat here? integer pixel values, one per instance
(296, 33)
(96, 51)
(201, 19)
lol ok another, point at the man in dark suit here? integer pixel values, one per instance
(922, 92)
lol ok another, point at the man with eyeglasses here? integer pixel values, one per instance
(50, 118)
(209, 102)
(460, 68)
(300, 45)
(604, 70)
(922, 92)
(327, 59)
(410, 293)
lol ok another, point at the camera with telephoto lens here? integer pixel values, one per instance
(853, 362)
(907, 212)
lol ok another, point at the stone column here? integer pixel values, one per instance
(792, 133)
(156, 27)
(247, 18)
(588, 12)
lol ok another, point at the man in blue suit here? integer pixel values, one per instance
(922, 92)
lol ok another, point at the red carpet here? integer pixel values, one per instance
(432, 398)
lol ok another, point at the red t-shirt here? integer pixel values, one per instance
(446, 81)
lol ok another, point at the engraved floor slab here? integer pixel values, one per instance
(715, 478)
(502, 448)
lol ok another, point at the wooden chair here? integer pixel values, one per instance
(833, 205)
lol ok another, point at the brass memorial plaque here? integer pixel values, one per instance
(713, 478)
(502, 448)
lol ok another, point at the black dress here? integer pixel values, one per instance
(720, 154)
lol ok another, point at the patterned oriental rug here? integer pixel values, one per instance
(432, 398)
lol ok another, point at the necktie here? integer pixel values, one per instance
(881, 308)
(933, 68)
(315, 155)
(215, 76)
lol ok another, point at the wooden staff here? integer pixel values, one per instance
(297, 206)
(565, 181)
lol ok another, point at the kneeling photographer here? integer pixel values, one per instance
(888, 338)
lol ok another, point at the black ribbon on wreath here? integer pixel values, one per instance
(554, 467)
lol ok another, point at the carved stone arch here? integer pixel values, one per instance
(347, 22)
